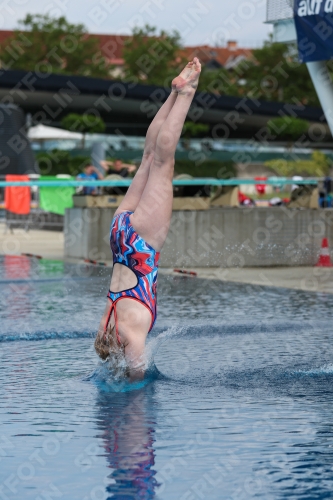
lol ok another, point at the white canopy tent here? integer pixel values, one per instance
(44, 133)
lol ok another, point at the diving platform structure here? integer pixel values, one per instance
(280, 14)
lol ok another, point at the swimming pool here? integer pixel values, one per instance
(238, 403)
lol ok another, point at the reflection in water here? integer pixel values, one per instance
(17, 268)
(127, 424)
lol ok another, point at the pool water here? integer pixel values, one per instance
(237, 403)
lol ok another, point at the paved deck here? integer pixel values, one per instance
(313, 279)
(50, 245)
(47, 244)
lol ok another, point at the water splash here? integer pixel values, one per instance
(155, 343)
(326, 369)
(112, 375)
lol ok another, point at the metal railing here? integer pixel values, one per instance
(40, 219)
(278, 10)
(198, 181)
(36, 219)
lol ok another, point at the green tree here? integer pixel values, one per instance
(152, 57)
(272, 74)
(192, 129)
(48, 44)
(86, 124)
(318, 166)
(275, 74)
(288, 127)
(219, 81)
(57, 161)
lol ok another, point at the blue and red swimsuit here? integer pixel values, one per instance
(130, 250)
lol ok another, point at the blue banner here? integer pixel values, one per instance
(314, 27)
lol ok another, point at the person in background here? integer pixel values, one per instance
(90, 173)
(117, 167)
(245, 200)
(296, 178)
(328, 191)
(325, 198)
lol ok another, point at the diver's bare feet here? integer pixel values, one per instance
(188, 79)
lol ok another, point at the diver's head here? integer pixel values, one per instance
(102, 347)
(106, 343)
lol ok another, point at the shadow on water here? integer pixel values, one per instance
(126, 425)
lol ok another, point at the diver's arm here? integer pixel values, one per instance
(105, 164)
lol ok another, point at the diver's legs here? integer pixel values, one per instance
(153, 214)
(133, 195)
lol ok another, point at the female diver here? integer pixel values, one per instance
(139, 230)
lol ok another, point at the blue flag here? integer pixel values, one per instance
(314, 27)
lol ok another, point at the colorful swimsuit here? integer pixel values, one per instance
(130, 250)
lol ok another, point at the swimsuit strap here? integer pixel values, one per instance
(112, 308)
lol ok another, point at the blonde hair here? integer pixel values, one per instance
(107, 344)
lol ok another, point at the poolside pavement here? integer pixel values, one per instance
(50, 245)
(313, 279)
(47, 244)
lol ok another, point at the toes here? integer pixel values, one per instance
(197, 64)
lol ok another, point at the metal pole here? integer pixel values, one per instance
(98, 154)
(324, 87)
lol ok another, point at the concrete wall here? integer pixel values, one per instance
(225, 237)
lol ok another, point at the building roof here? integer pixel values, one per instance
(112, 47)
(224, 56)
(5, 34)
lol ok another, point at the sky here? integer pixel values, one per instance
(212, 22)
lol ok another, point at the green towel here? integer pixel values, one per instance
(55, 199)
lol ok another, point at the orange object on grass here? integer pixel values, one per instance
(17, 199)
